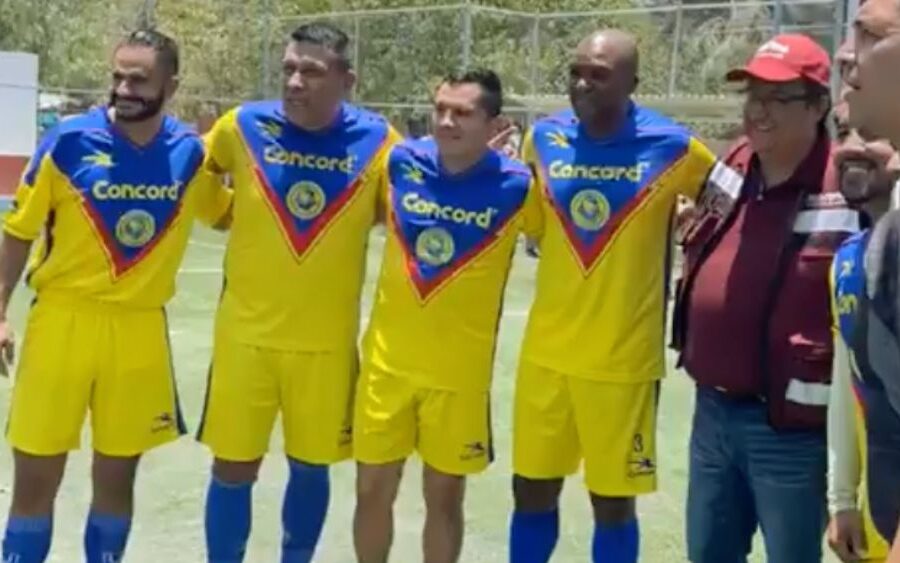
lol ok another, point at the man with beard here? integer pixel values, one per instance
(592, 358)
(305, 171)
(874, 110)
(112, 194)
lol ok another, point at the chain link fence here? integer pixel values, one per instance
(686, 46)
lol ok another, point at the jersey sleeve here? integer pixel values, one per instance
(532, 212)
(843, 448)
(213, 198)
(700, 162)
(221, 142)
(33, 198)
(380, 176)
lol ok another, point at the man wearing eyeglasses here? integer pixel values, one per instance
(752, 318)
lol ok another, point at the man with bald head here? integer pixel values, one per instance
(592, 358)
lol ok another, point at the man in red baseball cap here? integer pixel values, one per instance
(752, 320)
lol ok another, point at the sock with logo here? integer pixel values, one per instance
(617, 543)
(228, 518)
(105, 536)
(533, 536)
(304, 509)
(27, 539)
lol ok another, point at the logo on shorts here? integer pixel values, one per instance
(163, 422)
(475, 450)
(435, 246)
(590, 210)
(135, 228)
(306, 200)
(638, 463)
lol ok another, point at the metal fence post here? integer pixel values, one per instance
(676, 49)
(779, 15)
(837, 37)
(466, 35)
(534, 68)
(265, 50)
(356, 42)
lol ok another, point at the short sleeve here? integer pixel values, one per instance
(533, 212)
(34, 195)
(213, 199)
(220, 144)
(697, 167)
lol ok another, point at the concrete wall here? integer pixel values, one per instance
(18, 115)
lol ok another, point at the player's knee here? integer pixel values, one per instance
(378, 484)
(114, 482)
(613, 510)
(36, 483)
(236, 472)
(444, 493)
(536, 495)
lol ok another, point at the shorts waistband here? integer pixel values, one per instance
(86, 304)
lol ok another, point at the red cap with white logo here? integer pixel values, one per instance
(787, 57)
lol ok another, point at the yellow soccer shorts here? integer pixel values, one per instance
(451, 430)
(560, 420)
(79, 356)
(249, 386)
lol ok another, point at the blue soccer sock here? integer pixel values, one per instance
(304, 509)
(105, 536)
(27, 539)
(533, 536)
(228, 518)
(618, 543)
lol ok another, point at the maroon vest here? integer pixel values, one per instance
(796, 338)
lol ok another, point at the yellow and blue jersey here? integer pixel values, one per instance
(303, 207)
(113, 219)
(450, 242)
(599, 309)
(878, 425)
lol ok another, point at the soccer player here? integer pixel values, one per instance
(112, 194)
(592, 357)
(454, 210)
(304, 170)
(875, 111)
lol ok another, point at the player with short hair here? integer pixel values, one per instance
(588, 381)
(111, 194)
(454, 210)
(304, 170)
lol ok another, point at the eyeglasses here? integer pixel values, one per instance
(766, 101)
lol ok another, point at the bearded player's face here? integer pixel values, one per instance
(140, 85)
(315, 82)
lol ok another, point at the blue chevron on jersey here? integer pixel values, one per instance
(309, 178)
(596, 186)
(849, 282)
(131, 195)
(444, 221)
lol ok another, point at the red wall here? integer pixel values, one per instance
(11, 168)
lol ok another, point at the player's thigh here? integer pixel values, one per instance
(617, 429)
(53, 381)
(242, 401)
(455, 431)
(384, 418)
(545, 438)
(317, 404)
(134, 407)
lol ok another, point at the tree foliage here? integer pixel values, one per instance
(231, 48)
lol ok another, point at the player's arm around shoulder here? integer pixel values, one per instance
(380, 176)
(215, 197)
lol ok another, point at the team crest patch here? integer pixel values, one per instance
(590, 210)
(308, 181)
(306, 200)
(435, 246)
(135, 228)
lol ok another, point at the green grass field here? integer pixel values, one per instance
(171, 486)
